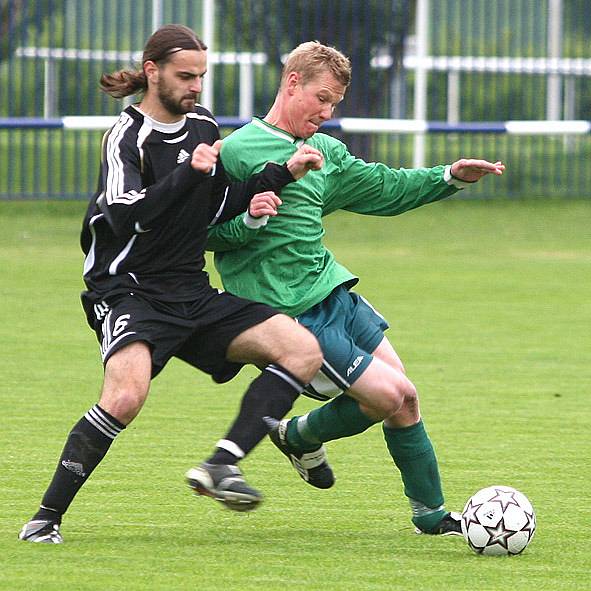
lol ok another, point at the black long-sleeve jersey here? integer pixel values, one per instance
(146, 226)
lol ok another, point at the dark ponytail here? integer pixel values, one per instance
(166, 41)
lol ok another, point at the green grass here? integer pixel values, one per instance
(489, 308)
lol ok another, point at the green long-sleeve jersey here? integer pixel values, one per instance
(284, 263)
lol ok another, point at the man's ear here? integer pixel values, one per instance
(292, 82)
(151, 71)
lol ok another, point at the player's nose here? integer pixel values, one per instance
(326, 112)
(196, 86)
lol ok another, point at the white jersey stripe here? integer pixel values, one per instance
(90, 257)
(121, 256)
(144, 132)
(218, 213)
(115, 176)
(202, 118)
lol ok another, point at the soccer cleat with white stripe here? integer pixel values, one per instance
(41, 531)
(312, 466)
(450, 525)
(224, 483)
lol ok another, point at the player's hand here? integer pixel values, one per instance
(205, 156)
(470, 170)
(264, 204)
(305, 159)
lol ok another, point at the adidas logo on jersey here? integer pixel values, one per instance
(183, 155)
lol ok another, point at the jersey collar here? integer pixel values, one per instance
(163, 127)
(267, 127)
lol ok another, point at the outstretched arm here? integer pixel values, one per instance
(377, 189)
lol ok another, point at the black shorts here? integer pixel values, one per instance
(197, 332)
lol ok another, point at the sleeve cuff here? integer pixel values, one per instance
(450, 179)
(254, 223)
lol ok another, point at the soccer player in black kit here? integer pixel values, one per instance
(148, 297)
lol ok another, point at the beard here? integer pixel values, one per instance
(186, 104)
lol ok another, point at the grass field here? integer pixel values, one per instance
(490, 309)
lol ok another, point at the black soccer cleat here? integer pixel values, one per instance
(224, 483)
(450, 525)
(41, 531)
(312, 466)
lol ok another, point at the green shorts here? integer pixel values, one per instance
(349, 330)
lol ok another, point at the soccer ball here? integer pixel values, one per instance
(498, 521)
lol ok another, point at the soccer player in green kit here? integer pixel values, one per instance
(277, 257)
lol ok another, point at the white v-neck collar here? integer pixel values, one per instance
(284, 135)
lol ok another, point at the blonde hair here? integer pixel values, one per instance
(312, 58)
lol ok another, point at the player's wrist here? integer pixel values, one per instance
(453, 180)
(254, 223)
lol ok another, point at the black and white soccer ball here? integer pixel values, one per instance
(498, 521)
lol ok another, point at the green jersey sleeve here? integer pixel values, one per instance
(376, 189)
(230, 235)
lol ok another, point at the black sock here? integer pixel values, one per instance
(272, 394)
(85, 447)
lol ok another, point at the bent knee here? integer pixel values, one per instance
(123, 403)
(396, 396)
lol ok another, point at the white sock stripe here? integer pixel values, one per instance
(230, 446)
(285, 377)
(99, 427)
(104, 419)
(304, 430)
(98, 420)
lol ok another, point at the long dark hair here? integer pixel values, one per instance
(166, 41)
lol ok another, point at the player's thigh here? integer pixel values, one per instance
(379, 380)
(127, 381)
(278, 339)
(385, 351)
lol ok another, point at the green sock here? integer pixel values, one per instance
(341, 417)
(413, 454)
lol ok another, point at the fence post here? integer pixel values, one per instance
(208, 19)
(453, 96)
(156, 14)
(49, 88)
(422, 35)
(553, 85)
